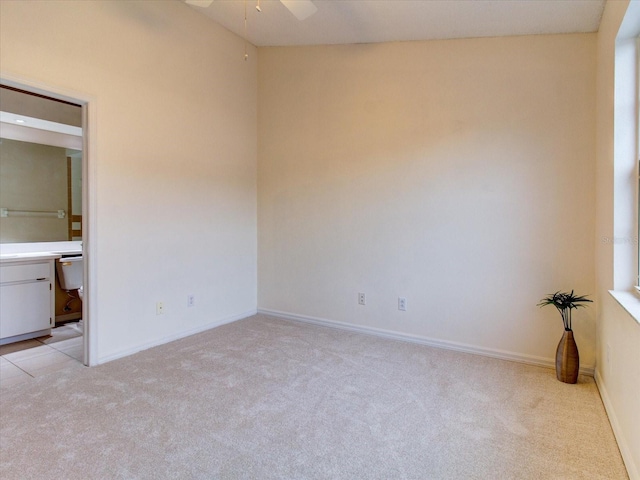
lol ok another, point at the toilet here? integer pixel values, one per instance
(71, 273)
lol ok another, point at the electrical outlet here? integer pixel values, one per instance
(362, 299)
(159, 308)
(191, 300)
(402, 304)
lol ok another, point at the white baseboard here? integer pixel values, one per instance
(432, 342)
(625, 451)
(176, 336)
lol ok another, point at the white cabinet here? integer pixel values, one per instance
(26, 299)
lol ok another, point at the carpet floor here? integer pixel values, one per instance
(265, 398)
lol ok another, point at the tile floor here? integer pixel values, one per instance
(23, 361)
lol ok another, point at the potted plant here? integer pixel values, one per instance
(567, 358)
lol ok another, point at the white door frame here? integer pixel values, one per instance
(89, 196)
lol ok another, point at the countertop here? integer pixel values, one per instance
(24, 252)
(26, 257)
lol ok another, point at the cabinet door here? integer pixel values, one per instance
(24, 308)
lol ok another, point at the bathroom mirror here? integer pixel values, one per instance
(40, 192)
(40, 168)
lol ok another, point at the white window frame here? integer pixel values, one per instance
(626, 184)
(626, 188)
(637, 130)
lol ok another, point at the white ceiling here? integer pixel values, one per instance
(371, 21)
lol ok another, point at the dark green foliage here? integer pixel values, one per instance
(565, 302)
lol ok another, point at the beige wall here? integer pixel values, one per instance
(174, 164)
(618, 371)
(458, 174)
(32, 177)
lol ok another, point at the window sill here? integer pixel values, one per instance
(630, 301)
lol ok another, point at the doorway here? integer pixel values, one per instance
(77, 222)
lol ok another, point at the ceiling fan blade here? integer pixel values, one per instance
(301, 9)
(199, 3)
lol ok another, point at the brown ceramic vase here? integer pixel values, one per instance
(567, 359)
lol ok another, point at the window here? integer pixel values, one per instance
(626, 164)
(637, 131)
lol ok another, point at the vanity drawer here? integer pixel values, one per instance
(24, 272)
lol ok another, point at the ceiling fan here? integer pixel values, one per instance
(301, 9)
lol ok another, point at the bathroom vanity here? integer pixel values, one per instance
(26, 296)
(27, 288)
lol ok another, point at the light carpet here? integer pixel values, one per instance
(265, 398)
